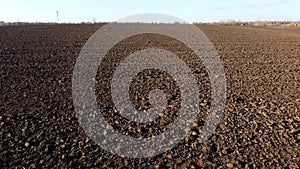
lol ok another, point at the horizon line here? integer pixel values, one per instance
(176, 22)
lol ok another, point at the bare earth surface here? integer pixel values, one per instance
(260, 126)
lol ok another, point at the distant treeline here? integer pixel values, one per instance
(256, 23)
(228, 22)
(41, 23)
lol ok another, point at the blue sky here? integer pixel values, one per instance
(111, 10)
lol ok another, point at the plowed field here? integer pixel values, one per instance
(260, 126)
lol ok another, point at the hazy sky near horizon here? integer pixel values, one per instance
(111, 10)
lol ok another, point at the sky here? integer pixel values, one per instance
(112, 10)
